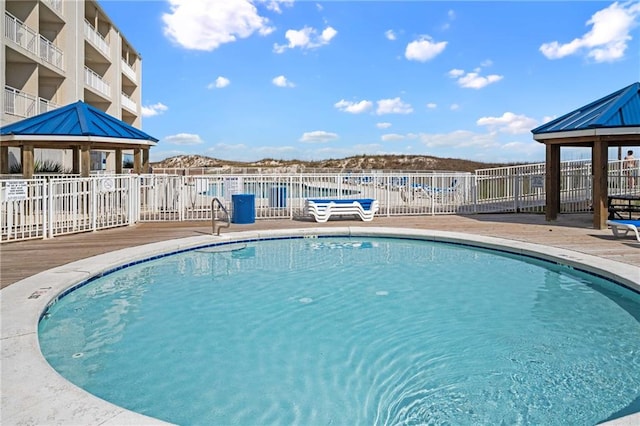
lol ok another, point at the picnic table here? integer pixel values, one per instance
(623, 206)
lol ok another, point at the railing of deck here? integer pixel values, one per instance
(127, 102)
(29, 39)
(55, 5)
(50, 205)
(92, 79)
(96, 38)
(23, 104)
(128, 70)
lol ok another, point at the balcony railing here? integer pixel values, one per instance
(55, 5)
(128, 103)
(16, 31)
(96, 38)
(96, 82)
(25, 105)
(127, 70)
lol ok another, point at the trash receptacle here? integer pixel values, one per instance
(278, 196)
(244, 208)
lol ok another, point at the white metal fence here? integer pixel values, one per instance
(54, 205)
(45, 208)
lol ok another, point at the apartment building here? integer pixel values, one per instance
(56, 52)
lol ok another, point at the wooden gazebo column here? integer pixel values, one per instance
(4, 160)
(145, 160)
(75, 160)
(137, 161)
(85, 160)
(552, 181)
(600, 166)
(26, 152)
(118, 161)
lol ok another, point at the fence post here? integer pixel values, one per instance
(133, 201)
(94, 203)
(51, 202)
(516, 192)
(44, 185)
(182, 201)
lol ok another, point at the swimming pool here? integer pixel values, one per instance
(389, 375)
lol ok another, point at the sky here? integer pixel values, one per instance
(246, 80)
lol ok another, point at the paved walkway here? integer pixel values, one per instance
(574, 232)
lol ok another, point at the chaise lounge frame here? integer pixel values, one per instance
(323, 209)
(621, 227)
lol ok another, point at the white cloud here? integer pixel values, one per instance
(473, 80)
(281, 81)
(451, 16)
(383, 125)
(432, 105)
(353, 107)
(184, 139)
(424, 49)
(155, 109)
(274, 5)
(207, 24)
(523, 151)
(390, 35)
(393, 106)
(454, 107)
(392, 137)
(459, 139)
(608, 37)
(219, 83)
(306, 38)
(509, 123)
(318, 136)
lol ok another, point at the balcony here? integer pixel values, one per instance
(55, 5)
(16, 31)
(25, 105)
(96, 38)
(128, 103)
(96, 82)
(128, 71)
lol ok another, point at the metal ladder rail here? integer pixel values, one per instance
(216, 206)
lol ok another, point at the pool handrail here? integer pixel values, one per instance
(216, 207)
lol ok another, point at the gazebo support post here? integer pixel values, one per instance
(552, 182)
(137, 161)
(4, 160)
(75, 160)
(26, 152)
(600, 161)
(85, 160)
(145, 160)
(118, 161)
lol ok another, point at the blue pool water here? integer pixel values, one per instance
(351, 331)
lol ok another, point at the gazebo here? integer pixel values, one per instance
(611, 121)
(81, 128)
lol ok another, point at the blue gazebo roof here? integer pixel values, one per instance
(76, 120)
(619, 109)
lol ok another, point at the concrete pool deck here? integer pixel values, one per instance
(34, 272)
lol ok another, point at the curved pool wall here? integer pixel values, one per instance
(34, 393)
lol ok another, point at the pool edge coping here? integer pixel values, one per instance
(30, 384)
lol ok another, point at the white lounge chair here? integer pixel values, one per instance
(621, 227)
(322, 210)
